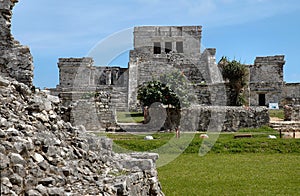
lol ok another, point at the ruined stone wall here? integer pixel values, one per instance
(43, 155)
(291, 94)
(79, 72)
(217, 118)
(15, 59)
(292, 113)
(266, 80)
(80, 82)
(40, 154)
(93, 108)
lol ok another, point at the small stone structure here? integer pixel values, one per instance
(79, 75)
(92, 93)
(266, 80)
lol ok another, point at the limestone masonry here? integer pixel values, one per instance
(159, 50)
(15, 59)
(41, 154)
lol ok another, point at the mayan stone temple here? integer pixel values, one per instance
(53, 142)
(158, 50)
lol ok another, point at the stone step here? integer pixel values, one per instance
(119, 98)
(285, 125)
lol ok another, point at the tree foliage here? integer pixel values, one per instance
(236, 73)
(169, 89)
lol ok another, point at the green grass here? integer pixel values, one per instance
(263, 129)
(245, 166)
(277, 113)
(133, 142)
(130, 117)
(259, 143)
(231, 174)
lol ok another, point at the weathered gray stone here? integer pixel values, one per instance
(219, 118)
(41, 116)
(4, 163)
(2, 133)
(4, 82)
(12, 132)
(33, 193)
(42, 189)
(17, 159)
(20, 170)
(47, 181)
(15, 179)
(15, 60)
(20, 147)
(55, 191)
(152, 156)
(38, 157)
(43, 155)
(292, 113)
(6, 182)
(143, 164)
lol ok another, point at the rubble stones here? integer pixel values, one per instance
(292, 112)
(38, 159)
(40, 153)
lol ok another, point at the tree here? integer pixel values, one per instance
(169, 89)
(236, 73)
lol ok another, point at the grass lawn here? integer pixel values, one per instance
(232, 174)
(277, 113)
(246, 166)
(130, 117)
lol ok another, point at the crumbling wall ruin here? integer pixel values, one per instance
(15, 59)
(292, 112)
(291, 94)
(43, 155)
(160, 50)
(93, 94)
(216, 118)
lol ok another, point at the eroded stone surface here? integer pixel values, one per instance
(43, 155)
(41, 160)
(15, 59)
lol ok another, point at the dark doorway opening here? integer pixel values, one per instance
(262, 99)
(157, 48)
(168, 47)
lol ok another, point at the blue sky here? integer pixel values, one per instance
(240, 29)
